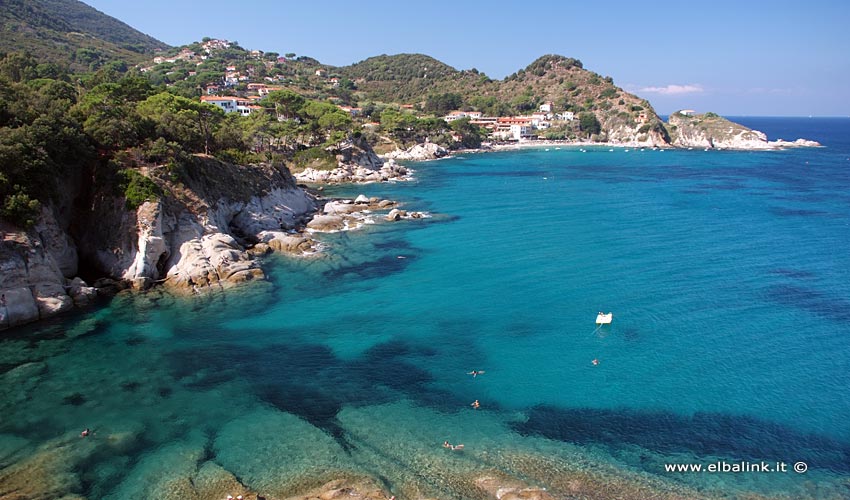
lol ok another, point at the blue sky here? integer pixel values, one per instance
(775, 58)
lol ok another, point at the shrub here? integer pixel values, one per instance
(317, 158)
(138, 188)
(20, 209)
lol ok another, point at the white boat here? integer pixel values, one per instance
(604, 319)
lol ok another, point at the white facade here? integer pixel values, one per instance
(519, 131)
(227, 104)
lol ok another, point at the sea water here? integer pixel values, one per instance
(728, 275)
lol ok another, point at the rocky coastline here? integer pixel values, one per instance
(202, 235)
(703, 131)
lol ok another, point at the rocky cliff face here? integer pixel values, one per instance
(37, 273)
(197, 236)
(624, 130)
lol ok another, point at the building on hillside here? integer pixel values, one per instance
(547, 106)
(457, 115)
(351, 111)
(687, 112)
(227, 103)
(268, 88)
(246, 110)
(320, 72)
(513, 127)
(232, 104)
(566, 116)
(539, 117)
(454, 115)
(215, 44)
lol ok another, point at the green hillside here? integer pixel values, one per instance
(70, 33)
(398, 78)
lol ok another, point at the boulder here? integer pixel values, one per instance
(419, 152)
(51, 299)
(287, 243)
(80, 292)
(396, 214)
(327, 223)
(361, 199)
(340, 207)
(18, 308)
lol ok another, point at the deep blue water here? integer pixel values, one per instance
(728, 274)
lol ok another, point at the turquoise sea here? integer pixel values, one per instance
(728, 275)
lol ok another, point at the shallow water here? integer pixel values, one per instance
(727, 274)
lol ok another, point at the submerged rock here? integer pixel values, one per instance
(278, 453)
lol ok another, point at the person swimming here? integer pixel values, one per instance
(595, 362)
(475, 404)
(475, 373)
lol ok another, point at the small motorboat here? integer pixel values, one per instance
(604, 319)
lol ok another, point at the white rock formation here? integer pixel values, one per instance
(348, 173)
(193, 252)
(32, 285)
(418, 152)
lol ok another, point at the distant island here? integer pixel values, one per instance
(126, 163)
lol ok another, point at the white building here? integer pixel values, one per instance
(227, 103)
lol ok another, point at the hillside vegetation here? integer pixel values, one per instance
(70, 34)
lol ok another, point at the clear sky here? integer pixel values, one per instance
(743, 57)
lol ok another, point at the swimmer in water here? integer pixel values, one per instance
(475, 404)
(475, 373)
(595, 362)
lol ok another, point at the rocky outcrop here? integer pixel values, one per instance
(419, 152)
(202, 234)
(196, 237)
(344, 215)
(33, 280)
(799, 143)
(357, 163)
(358, 153)
(624, 130)
(710, 131)
(356, 174)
